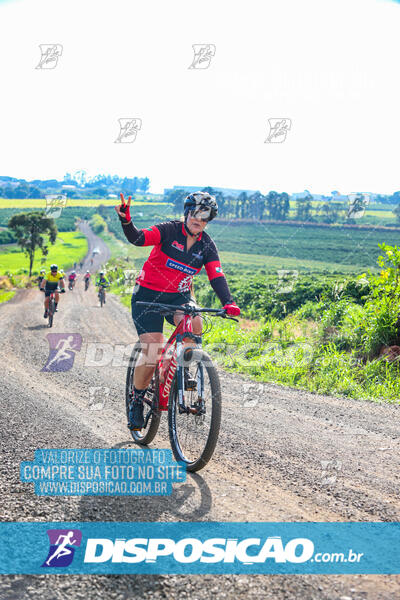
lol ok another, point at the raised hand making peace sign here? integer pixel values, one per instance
(123, 210)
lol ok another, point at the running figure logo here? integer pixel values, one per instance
(357, 205)
(203, 54)
(278, 129)
(50, 55)
(128, 130)
(62, 351)
(55, 204)
(61, 552)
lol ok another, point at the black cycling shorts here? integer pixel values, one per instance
(147, 320)
(51, 286)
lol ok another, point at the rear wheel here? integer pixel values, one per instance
(194, 433)
(151, 411)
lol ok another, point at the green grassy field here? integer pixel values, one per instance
(70, 247)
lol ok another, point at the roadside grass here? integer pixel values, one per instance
(69, 247)
(5, 296)
(279, 356)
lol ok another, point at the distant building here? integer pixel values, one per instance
(112, 196)
(191, 188)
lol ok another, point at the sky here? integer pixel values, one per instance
(330, 67)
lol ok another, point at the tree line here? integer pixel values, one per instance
(98, 186)
(273, 206)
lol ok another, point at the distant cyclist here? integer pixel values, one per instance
(72, 279)
(103, 282)
(86, 279)
(49, 284)
(181, 249)
(40, 277)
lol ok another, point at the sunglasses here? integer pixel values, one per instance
(195, 216)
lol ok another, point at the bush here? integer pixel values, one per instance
(6, 237)
(98, 224)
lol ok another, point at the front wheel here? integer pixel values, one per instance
(194, 428)
(151, 411)
(51, 311)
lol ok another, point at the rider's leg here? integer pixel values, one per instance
(46, 304)
(144, 369)
(197, 326)
(56, 299)
(152, 344)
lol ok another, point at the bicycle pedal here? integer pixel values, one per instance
(197, 409)
(190, 385)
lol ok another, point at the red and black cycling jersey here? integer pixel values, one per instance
(170, 266)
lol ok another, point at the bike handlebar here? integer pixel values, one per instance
(187, 309)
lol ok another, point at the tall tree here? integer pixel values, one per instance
(176, 197)
(257, 204)
(241, 204)
(30, 230)
(303, 208)
(284, 206)
(272, 200)
(397, 212)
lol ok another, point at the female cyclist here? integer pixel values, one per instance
(180, 251)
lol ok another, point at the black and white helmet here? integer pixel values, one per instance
(202, 205)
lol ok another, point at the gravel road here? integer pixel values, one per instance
(295, 456)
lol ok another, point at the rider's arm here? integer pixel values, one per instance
(215, 274)
(145, 237)
(43, 283)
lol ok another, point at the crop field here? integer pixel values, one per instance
(271, 247)
(328, 248)
(375, 214)
(69, 247)
(41, 202)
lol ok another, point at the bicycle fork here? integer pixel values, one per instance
(197, 407)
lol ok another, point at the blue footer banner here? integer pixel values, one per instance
(204, 547)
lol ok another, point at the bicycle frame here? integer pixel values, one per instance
(172, 356)
(171, 360)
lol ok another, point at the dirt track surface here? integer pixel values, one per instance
(267, 466)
